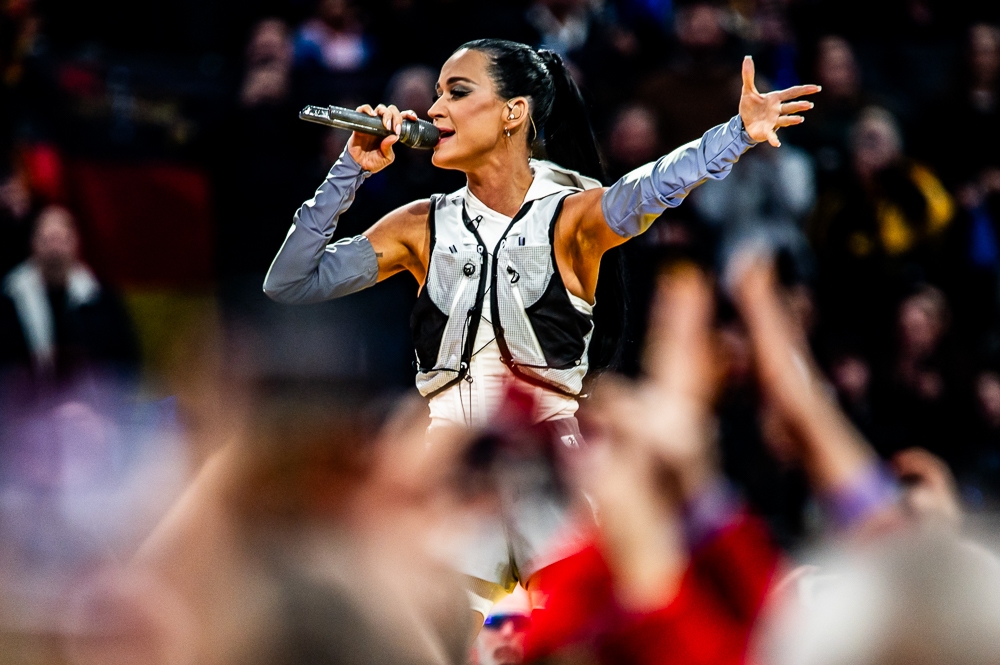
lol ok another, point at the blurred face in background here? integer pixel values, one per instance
(468, 112)
(54, 244)
(699, 27)
(270, 44)
(836, 68)
(988, 397)
(269, 64)
(851, 377)
(876, 142)
(412, 88)
(337, 14)
(922, 323)
(634, 139)
(984, 54)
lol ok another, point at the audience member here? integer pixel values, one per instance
(268, 65)
(501, 641)
(770, 30)
(974, 95)
(66, 320)
(919, 392)
(851, 375)
(969, 164)
(333, 39)
(335, 54)
(980, 478)
(603, 53)
(827, 134)
(879, 228)
(15, 219)
(696, 88)
(920, 600)
(262, 158)
(633, 140)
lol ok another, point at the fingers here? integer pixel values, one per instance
(789, 120)
(789, 108)
(386, 146)
(796, 91)
(772, 138)
(409, 115)
(392, 119)
(748, 74)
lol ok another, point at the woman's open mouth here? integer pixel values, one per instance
(446, 133)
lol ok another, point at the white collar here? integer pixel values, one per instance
(549, 178)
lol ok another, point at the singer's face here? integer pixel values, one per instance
(468, 113)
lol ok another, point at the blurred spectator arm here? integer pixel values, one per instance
(841, 465)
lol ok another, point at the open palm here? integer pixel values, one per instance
(763, 114)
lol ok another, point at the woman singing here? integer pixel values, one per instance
(508, 265)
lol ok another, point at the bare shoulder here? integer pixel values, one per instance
(583, 226)
(406, 215)
(405, 223)
(579, 204)
(401, 240)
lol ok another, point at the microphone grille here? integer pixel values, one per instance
(421, 135)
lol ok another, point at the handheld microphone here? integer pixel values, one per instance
(414, 133)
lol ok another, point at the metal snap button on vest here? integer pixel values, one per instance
(469, 269)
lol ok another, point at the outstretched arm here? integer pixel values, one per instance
(630, 206)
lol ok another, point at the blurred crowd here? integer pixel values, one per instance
(168, 489)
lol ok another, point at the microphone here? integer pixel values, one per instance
(414, 133)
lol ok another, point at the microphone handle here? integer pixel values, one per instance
(416, 134)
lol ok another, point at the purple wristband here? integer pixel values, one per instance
(710, 511)
(871, 490)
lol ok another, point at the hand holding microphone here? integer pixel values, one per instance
(375, 131)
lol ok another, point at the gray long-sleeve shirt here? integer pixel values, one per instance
(309, 269)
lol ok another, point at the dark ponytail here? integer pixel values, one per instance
(566, 138)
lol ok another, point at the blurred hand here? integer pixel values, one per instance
(930, 496)
(653, 445)
(670, 413)
(823, 440)
(764, 114)
(371, 152)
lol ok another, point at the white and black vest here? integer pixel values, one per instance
(543, 339)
